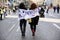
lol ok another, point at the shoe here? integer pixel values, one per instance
(23, 34)
(33, 34)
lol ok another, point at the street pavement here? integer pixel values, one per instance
(48, 28)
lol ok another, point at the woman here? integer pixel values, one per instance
(34, 20)
(22, 21)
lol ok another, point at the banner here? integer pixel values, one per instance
(21, 13)
(27, 14)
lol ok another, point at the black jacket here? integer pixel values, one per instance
(34, 20)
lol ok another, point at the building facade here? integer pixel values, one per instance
(3, 2)
(56, 2)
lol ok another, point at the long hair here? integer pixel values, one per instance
(33, 6)
(21, 6)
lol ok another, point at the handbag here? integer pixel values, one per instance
(29, 20)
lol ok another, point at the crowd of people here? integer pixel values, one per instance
(56, 8)
(34, 20)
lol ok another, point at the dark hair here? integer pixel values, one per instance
(33, 6)
(21, 6)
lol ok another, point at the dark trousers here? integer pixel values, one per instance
(1, 16)
(54, 10)
(57, 11)
(47, 10)
(23, 25)
(33, 28)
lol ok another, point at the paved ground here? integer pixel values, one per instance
(47, 29)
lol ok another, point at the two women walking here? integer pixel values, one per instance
(34, 20)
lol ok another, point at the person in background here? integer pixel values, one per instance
(57, 8)
(42, 12)
(14, 10)
(0, 10)
(4, 10)
(1, 13)
(54, 9)
(34, 20)
(22, 21)
(47, 10)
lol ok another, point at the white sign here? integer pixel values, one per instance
(27, 14)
